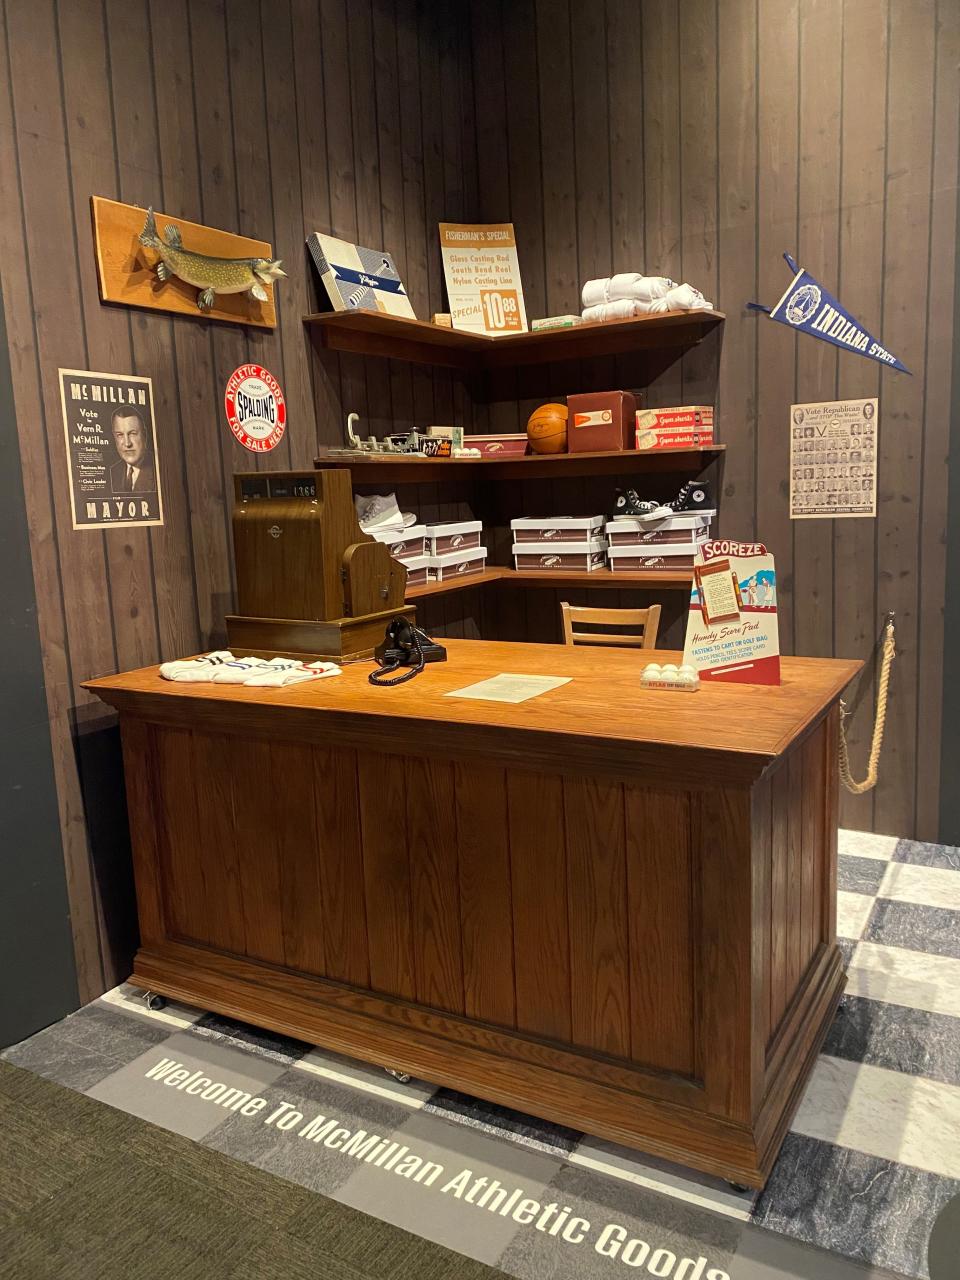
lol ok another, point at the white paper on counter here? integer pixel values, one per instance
(509, 688)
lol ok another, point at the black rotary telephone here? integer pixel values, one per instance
(404, 645)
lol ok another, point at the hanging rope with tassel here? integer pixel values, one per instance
(883, 686)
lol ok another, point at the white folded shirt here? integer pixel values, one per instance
(683, 297)
(195, 668)
(622, 309)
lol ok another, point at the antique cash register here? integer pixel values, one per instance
(309, 580)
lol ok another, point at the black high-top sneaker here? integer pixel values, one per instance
(693, 497)
(629, 504)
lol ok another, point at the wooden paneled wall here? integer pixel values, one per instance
(694, 137)
(699, 139)
(272, 119)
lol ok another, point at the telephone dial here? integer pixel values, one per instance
(404, 646)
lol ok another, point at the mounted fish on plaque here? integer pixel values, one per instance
(168, 264)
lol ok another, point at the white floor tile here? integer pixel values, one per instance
(853, 912)
(883, 1113)
(928, 886)
(864, 844)
(897, 975)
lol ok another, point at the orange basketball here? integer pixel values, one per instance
(547, 429)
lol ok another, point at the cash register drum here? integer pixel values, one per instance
(309, 580)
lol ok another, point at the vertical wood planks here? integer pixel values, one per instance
(540, 926)
(660, 887)
(597, 888)
(340, 854)
(483, 838)
(386, 871)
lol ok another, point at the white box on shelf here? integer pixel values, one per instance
(418, 569)
(457, 564)
(556, 528)
(627, 531)
(560, 557)
(453, 535)
(660, 555)
(403, 543)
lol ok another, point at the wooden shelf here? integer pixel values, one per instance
(679, 579)
(408, 469)
(372, 333)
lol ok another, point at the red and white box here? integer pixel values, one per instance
(418, 570)
(684, 427)
(454, 535)
(456, 564)
(403, 543)
(661, 555)
(498, 446)
(628, 531)
(560, 557)
(556, 528)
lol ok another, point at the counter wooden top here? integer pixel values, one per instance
(603, 715)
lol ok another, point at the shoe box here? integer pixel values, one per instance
(555, 557)
(453, 536)
(454, 564)
(660, 555)
(418, 570)
(629, 531)
(511, 445)
(556, 528)
(404, 544)
(681, 427)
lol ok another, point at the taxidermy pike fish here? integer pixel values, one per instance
(210, 275)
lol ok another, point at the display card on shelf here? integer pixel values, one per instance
(732, 629)
(482, 275)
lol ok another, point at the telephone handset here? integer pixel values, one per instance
(404, 645)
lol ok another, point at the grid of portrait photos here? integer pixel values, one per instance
(833, 459)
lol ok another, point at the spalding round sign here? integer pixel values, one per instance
(255, 407)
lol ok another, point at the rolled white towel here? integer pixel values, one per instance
(622, 309)
(682, 298)
(170, 670)
(594, 292)
(631, 284)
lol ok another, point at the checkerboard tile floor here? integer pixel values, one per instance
(873, 1154)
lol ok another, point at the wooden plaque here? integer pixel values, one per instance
(126, 269)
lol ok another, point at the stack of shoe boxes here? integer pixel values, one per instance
(663, 537)
(409, 547)
(557, 543)
(454, 549)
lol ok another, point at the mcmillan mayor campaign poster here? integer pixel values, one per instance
(111, 438)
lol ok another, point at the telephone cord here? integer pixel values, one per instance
(883, 687)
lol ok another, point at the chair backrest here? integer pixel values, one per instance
(645, 624)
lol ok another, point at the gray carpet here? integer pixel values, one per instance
(88, 1191)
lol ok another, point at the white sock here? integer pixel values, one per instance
(270, 675)
(214, 659)
(238, 671)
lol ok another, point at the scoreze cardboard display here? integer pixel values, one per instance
(732, 630)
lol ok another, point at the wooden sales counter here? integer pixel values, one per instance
(608, 906)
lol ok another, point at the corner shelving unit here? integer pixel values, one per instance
(495, 489)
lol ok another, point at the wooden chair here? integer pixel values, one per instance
(646, 623)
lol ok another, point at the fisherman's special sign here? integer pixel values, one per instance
(482, 276)
(111, 440)
(256, 410)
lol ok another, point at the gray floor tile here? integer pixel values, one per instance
(658, 1221)
(847, 947)
(945, 856)
(912, 1041)
(860, 875)
(935, 930)
(134, 1090)
(296, 1158)
(459, 1206)
(862, 1207)
(87, 1046)
(503, 1122)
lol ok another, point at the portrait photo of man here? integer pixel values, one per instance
(134, 472)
